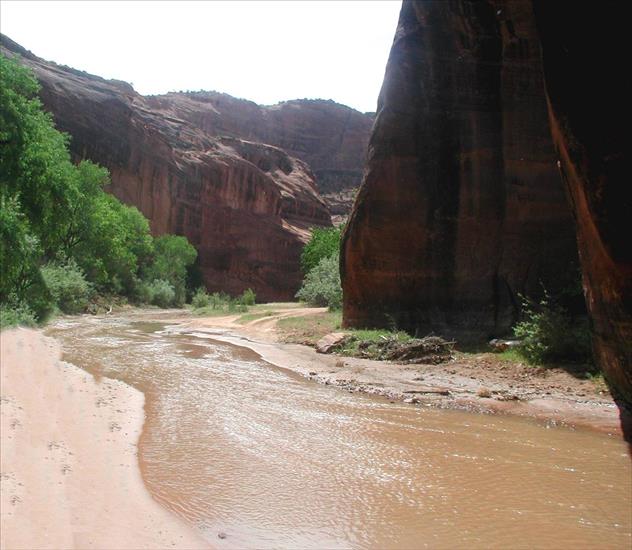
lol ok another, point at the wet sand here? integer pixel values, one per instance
(255, 456)
(550, 395)
(68, 463)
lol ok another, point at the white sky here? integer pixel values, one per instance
(266, 51)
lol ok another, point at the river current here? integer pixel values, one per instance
(256, 456)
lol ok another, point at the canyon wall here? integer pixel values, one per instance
(461, 209)
(246, 207)
(330, 137)
(588, 92)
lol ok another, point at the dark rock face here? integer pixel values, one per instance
(247, 207)
(330, 137)
(587, 94)
(461, 208)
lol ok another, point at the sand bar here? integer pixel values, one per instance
(68, 466)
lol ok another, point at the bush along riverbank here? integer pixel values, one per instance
(550, 332)
(65, 244)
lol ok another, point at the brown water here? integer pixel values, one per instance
(238, 447)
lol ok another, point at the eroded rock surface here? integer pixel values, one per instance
(587, 94)
(330, 137)
(461, 208)
(247, 207)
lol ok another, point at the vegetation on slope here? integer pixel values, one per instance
(63, 239)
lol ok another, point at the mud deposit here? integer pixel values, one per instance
(255, 456)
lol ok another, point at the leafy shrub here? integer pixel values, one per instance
(219, 300)
(322, 244)
(159, 293)
(248, 298)
(17, 315)
(321, 286)
(236, 306)
(67, 285)
(549, 333)
(173, 255)
(112, 243)
(201, 298)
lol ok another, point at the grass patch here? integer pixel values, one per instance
(308, 329)
(254, 316)
(211, 311)
(512, 355)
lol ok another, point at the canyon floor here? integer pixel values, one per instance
(71, 438)
(485, 382)
(68, 463)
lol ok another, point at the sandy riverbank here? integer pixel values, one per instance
(69, 471)
(478, 383)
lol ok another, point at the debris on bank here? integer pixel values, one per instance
(429, 350)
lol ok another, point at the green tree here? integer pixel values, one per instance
(56, 214)
(19, 250)
(35, 165)
(114, 245)
(322, 244)
(173, 255)
(321, 286)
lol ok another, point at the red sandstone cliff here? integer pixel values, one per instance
(245, 206)
(330, 137)
(461, 208)
(588, 93)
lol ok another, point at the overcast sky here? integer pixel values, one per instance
(266, 51)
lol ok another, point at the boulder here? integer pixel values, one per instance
(330, 341)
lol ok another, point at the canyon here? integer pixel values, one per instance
(331, 138)
(479, 140)
(238, 180)
(490, 112)
(461, 209)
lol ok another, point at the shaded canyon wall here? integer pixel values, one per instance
(588, 93)
(461, 208)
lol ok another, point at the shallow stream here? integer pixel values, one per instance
(255, 456)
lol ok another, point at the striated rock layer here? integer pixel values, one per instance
(461, 208)
(246, 207)
(330, 137)
(588, 94)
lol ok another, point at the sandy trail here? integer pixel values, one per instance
(68, 466)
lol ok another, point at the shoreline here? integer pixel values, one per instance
(70, 475)
(451, 385)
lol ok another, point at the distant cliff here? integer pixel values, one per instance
(462, 208)
(244, 205)
(330, 137)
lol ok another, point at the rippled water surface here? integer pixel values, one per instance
(238, 447)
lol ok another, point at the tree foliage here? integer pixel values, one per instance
(67, 285)
(323, 243)
(549, 333)
(61, 234)
(173, 255)
(321, 286)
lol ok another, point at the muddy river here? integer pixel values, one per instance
(255, 456)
